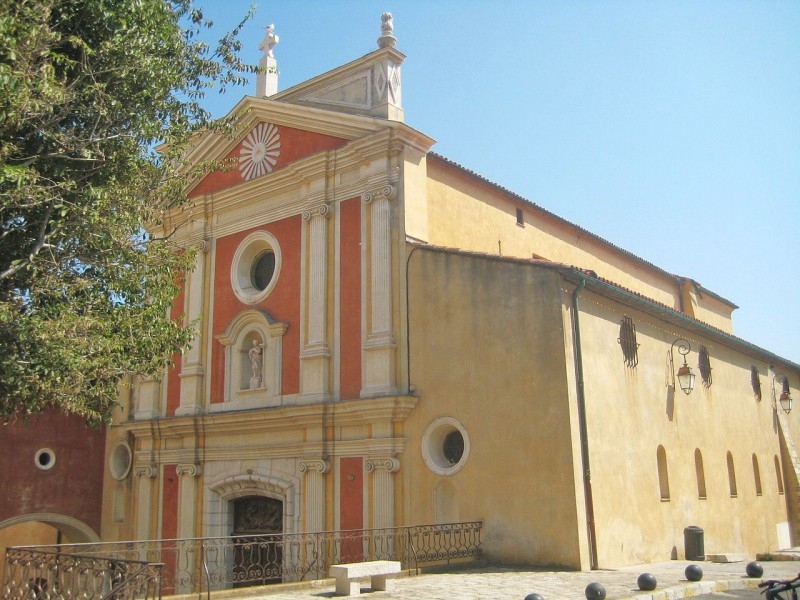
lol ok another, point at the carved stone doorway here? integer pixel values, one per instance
(257, 560)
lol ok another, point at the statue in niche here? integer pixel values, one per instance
(256, 364)
(270, 41)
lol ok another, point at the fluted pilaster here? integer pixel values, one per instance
(315, 355)
(379, 346)
(382, 470)
(191, 375)
(314, 469)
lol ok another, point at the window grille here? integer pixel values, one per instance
(755, 381)
(704, 364)
(627, 341)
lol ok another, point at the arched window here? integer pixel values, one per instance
(700, 473)
(757, 475)
(663, 477)
(755, 382)
(731, 476)
(778, 474)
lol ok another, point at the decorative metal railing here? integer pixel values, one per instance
(50, 575)
(201, 564)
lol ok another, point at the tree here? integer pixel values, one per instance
(87, 90)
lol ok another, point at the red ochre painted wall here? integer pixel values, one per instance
(351, 508)
(72, 487)
(352, 492)
(169, 518)
(295, 144)
(282, 304)
(169, 503)
(350, 298)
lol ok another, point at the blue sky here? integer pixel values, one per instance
(671, 129)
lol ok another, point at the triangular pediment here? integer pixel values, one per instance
(351, 93)
(369, 86)
(270, 135)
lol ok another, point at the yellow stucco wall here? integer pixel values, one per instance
(486, 348)
(491, 346)
(465, 212)
(631, 412)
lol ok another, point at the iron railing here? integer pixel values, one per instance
(209, 564)
(35, 574)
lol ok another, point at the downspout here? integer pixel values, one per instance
(582, 428)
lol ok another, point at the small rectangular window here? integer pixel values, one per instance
(520, 221)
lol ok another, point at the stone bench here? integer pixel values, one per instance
(378, 571)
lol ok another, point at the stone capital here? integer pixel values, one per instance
(314, 465)
(150, 470)
(322, 211)
(389, 464)
(191, 469)
(385, 191)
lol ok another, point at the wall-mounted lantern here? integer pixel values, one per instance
(784, 399)
(684, 374)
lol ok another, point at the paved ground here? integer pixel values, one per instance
(495, 583)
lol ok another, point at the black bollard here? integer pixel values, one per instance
(693, 573)
(647, 582)
(754, 569)
(595, 591)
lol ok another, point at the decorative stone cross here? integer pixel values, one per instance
(270, 40)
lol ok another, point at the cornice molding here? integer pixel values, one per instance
(304, 185)
(394, 409)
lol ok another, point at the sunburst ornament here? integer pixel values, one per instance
(260, 151)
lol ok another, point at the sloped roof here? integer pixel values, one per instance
(677, 278)
(624, 295)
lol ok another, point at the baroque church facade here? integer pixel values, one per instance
(387, 338)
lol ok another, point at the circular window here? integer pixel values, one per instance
(263, 270)
(445, 446)
(45, 459)
(120, 460)
(453, 447)
(256, 266)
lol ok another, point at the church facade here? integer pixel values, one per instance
(386, 338)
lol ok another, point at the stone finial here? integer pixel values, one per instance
(387, 29)
(270, 40)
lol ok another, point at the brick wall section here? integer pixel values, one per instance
(72, 487)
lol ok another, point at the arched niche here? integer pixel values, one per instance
(253, 350)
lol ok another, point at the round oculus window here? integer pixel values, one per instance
(256, 267)
(263, 270)
(445, 446)
(453, 447)
(45, 459)
(120, 461)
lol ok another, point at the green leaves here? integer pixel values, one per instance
(87, 88)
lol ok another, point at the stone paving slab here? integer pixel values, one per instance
(497, 582)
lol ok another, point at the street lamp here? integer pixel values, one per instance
(684, 375)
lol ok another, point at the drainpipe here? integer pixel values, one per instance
(584, 436)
